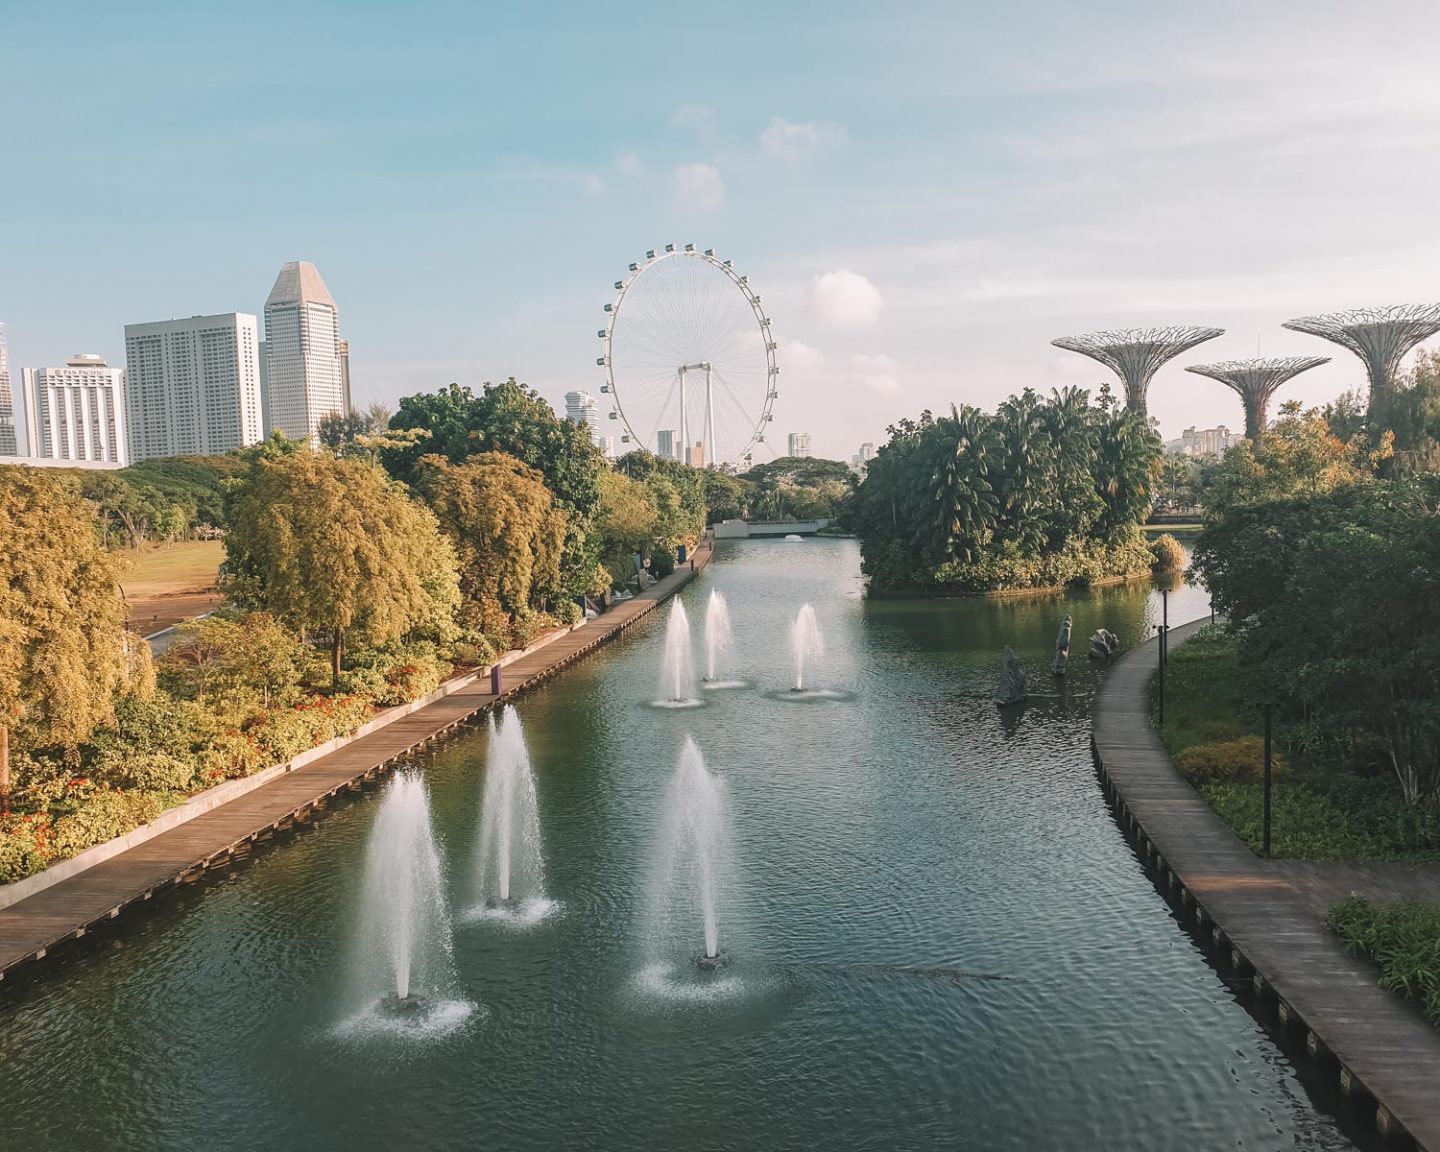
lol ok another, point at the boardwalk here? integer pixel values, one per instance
(31, 928)
(1266, 917)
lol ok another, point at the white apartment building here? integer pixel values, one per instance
(192, 387)
(9, 441)
(799, 445)
(76, 412)
(1204, 442)
(581, 408)
(305, 372)
(667, 444)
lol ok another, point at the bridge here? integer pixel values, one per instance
(760, 529)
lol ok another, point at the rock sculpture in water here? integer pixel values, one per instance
(1103, 644)
(1062, 648)
(1014, 684)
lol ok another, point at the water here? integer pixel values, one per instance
(510, 873)
(717, 633)
(677, 668)
(688, 872)
(890, 852)
(403, 967)
(805, 643)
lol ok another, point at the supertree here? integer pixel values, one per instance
(1380, 337)
(1137, 354)
(1256, 381)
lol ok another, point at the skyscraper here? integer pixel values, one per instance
(76, 412)
(867, 452)
(9, 442)
(345, 373)
(581, 408)
(667, 443)
(799, 445)
(192, 387)
(305, 376)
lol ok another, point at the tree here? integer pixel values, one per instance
(506, 530)
(332, 545)
(515, 419)
(1299, 456)
(235, 663)
(63, 646)
(628, 516)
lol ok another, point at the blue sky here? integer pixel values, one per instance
(924, 194)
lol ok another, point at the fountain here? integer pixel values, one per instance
(805, 643)
(689, 870)
(718, 638)
(510, 876)
(405, 958)
(677, 670)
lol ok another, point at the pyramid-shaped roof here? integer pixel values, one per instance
(299, 283)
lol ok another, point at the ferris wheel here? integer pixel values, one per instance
(689, 359)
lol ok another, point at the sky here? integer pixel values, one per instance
(924, 194)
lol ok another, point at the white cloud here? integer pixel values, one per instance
(629, 164)
(696, 118)
(699, 186)
(879, 374)
(800, 362)
(788, 141)
(845, 299)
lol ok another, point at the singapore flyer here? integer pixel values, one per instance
(689, 359)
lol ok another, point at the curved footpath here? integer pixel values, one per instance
(33, 927)
(1265, 918)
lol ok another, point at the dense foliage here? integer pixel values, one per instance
(1402, 939)
(1042, 492)
(169, 499)
(331, 545)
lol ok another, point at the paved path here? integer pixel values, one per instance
(1267, 916)
(32, 927)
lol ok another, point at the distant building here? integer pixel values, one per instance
(345, 375)
(581, 408)
(192, 387)
(667, 444)
(607, 445)
(77, 412)
(799, 445)
(867, 452)
(304, 371)
(9, 441)
(695, 455)
(1204, 442)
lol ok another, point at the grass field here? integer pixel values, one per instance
(190, 566)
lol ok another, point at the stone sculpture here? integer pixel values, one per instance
(1103, 644)
(1062, 648)
(1014, 684)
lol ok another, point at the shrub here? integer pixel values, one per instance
(284, 733)
(410, 681)
(1229, 760)
(568, 612)
(367, 681)
(103, 816)
(1402, 939)
(146, 772)
(1167, 555)
(25, 846)
(472, 651)
(528, 626)
(662, 561)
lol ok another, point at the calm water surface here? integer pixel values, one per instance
(940, 938)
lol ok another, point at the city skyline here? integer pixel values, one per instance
(919, 235)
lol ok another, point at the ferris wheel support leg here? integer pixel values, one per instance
(709, 421)
(684, 427)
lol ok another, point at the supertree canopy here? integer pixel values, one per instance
(1256, 381)
(1135, 355)
(1379, 336)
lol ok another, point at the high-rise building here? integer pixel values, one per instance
(867, 452)
(345, 374)
(192, 387)
(304, 372)
(1204, 442)
(581, 408)
(9, 441)
(76, 412)
(799, 445)
(667, 444)
(607, 445)
(695, 455)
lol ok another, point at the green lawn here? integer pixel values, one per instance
(165, 569)
(1315, 814)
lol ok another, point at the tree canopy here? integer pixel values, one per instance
(64, 652)
(1042, 491)
(332, 545)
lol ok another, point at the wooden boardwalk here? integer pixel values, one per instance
(1264, 919)
(32, 928)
